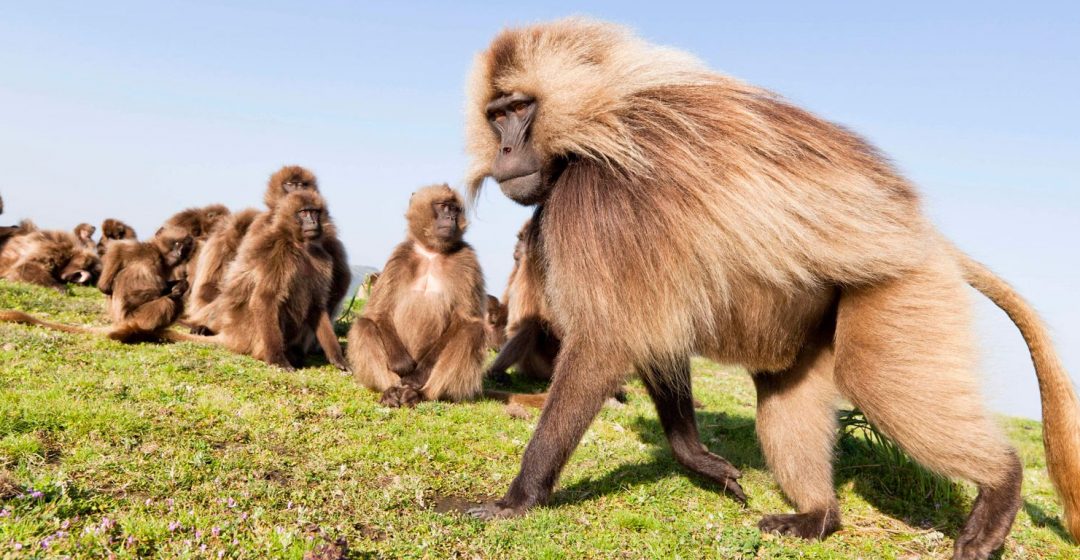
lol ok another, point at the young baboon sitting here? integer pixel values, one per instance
(276, 293)
(48, 258)
(141, 302)
(421, 336)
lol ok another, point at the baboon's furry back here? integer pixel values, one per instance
(793, 200)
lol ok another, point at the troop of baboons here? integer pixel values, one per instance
(677, 212)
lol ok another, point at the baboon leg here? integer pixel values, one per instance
(147, 319)
(904, 355)
(36, 274)
(670, 391)
(368, 358)
(458, 371)
(583, 381)
(514, 350)
(797, 428)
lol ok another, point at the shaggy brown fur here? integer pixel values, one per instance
(141, 302)
(7, 232)
(112, 230)
(221, 248)
(85, 234)
(421, 335)
(685, 212)
(199, 223)
(274, 299)
(48, 258)
(494, 323)
(531, 344)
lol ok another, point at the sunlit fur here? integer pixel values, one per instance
(220, 249)
(113, 230)
(273, 301)
(46, 258)
(452, 296)
(134, 277)
(701, 215)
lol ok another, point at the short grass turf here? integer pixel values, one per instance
(178, 450)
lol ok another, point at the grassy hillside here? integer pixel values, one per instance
(183, 451)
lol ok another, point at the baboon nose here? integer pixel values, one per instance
(507, 149)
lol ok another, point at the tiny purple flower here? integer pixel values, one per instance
(215, 530)
(130, 541)
(5, 512)
(174, 526)
(18, 546)
(289, 505)
(36, 494)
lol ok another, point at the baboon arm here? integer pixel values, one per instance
(520, 345)
(427, 362)
(329, 342)
(108, 274)
(342, 276)
(270, 342)
(397, 357)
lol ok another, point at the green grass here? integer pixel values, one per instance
(182, 451)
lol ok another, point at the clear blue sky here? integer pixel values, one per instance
(138, 109)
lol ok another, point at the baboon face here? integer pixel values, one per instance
(518, 167)
(83, 269)
(310, 220)
(298, 181)
(179, 250)
(446, 226)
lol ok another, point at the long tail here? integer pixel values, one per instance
(1060, 408)
(534, 400)
(27, 319)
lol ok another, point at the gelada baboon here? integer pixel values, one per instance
(141, 302)
(684, 212)
(494, 323)
(112, 230)
(421, 336)
(85, 233)
(222, 246)
(48, 258)
(199, 223)
(531, 343)
(275, 298)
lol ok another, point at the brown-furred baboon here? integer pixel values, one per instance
(221, 248)
(275, 298)
(531, 342)
(135, 276)
(685, 212)
(48, 258)
(421, 335)
(113, 230)
(198, 222)
(84, 233)
(494, 323)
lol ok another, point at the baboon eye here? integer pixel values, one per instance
(519, 107)
(498, 116)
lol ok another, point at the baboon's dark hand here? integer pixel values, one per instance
(491, 511)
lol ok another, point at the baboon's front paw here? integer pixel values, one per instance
(811, 525)
(491, 511)
(401, 395)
